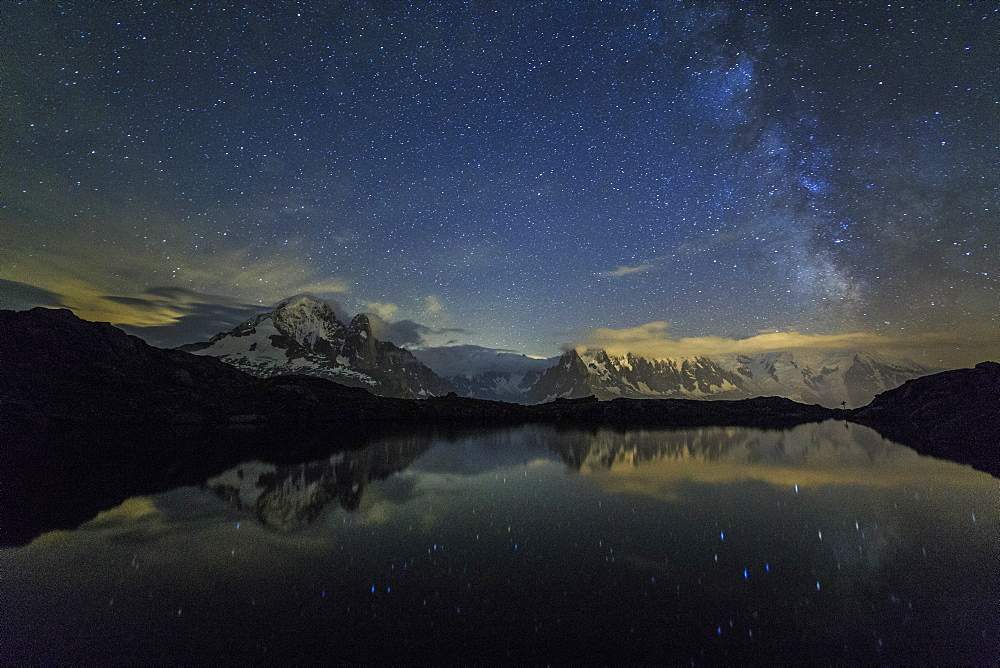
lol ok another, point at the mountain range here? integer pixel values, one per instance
(830, 378)
(302, 335)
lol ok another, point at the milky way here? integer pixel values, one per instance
(512, 175)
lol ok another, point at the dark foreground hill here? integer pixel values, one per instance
(952, 414)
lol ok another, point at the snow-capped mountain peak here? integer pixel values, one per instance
(303, 335)
(307, 321)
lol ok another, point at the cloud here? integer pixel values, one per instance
(62, 276)
(325, 287)
(194, 316)
(625, 270)
(652, 340)
(401, 332)
(412, 334)
(433, 305)
(448, 361)
(90, 301)
(383, 310)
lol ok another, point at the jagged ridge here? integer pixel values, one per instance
(829, 378)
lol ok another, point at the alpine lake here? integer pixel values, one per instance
(823, 543)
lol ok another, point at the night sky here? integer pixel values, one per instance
(664, 176)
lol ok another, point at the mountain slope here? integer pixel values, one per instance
(303, 336)
(286, 497)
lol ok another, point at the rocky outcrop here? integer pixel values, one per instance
(396, 372)
(952, 414)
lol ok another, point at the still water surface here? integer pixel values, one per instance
(822, 543)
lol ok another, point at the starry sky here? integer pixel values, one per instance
(524, 176)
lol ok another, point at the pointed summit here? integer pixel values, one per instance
(359, 342)
(301, 332)
(568, 379)
(361, 325)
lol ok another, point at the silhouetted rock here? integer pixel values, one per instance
(952, 414)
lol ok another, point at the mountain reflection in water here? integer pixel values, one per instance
(820, 543)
